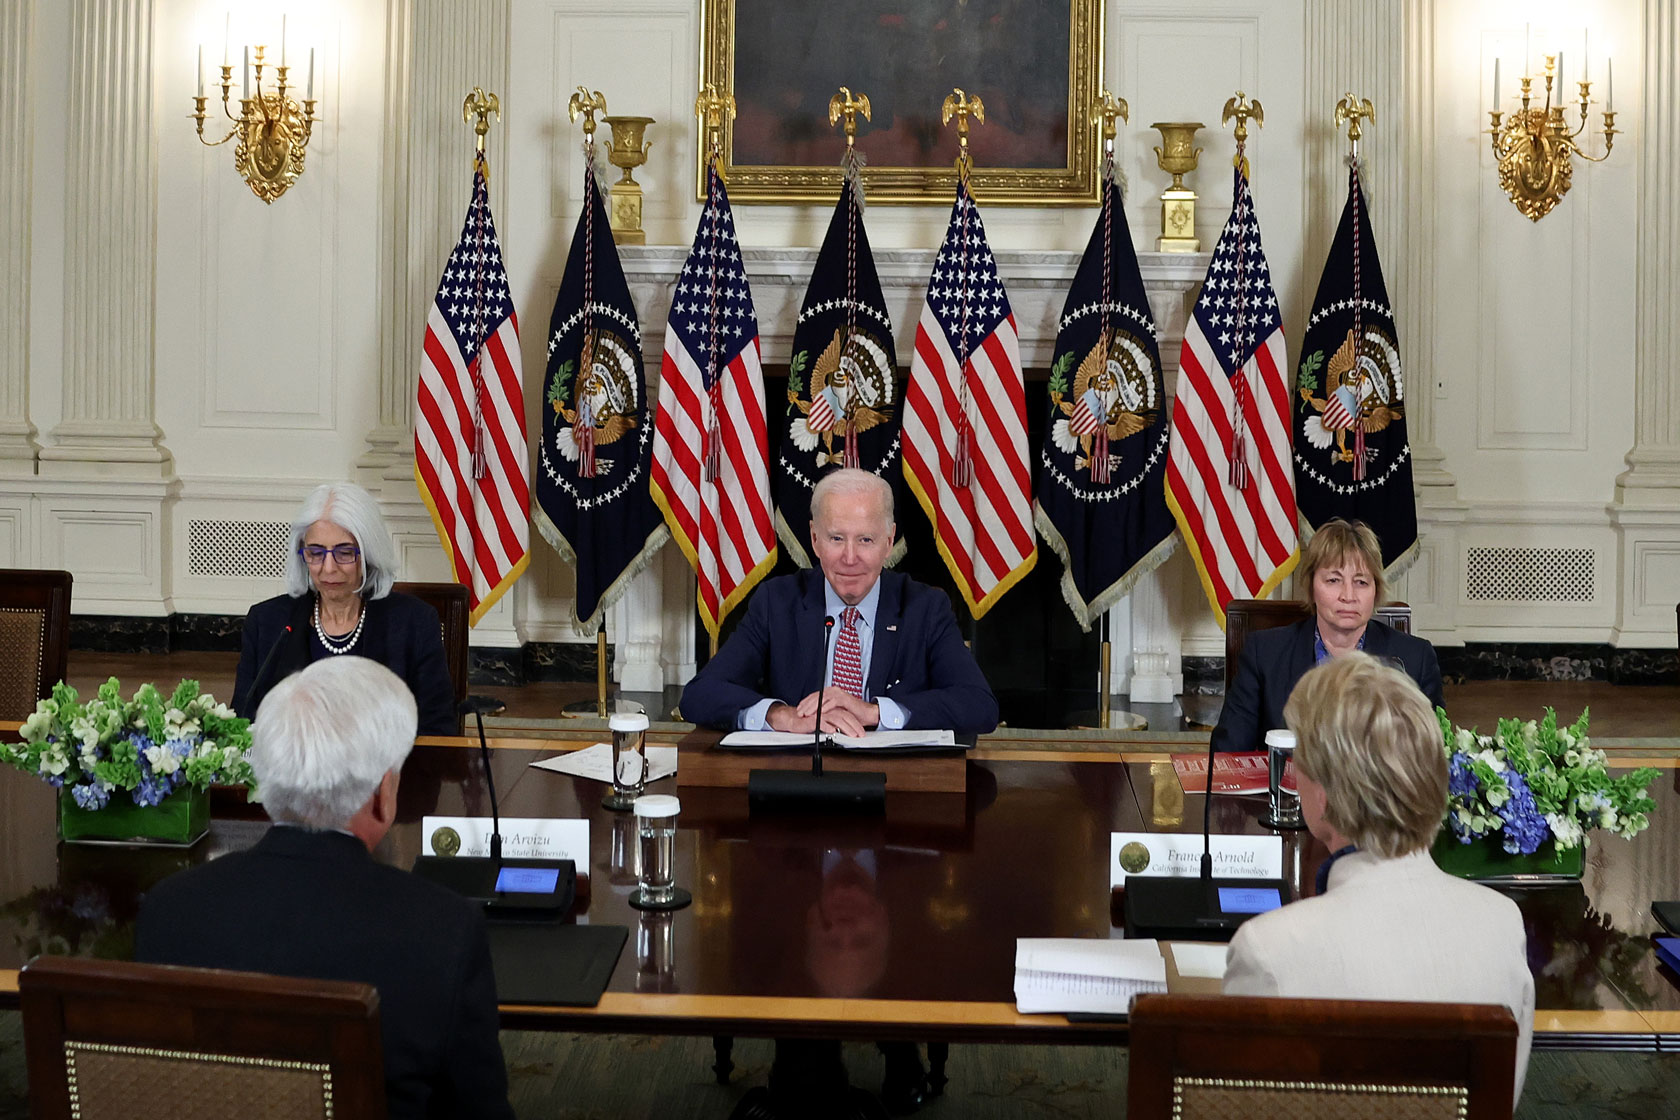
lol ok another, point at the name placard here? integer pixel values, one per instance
(1180, 854)
(522, 838)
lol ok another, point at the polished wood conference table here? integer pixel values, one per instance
(902, 927)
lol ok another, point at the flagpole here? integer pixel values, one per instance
(1102, 677)
(601, 669)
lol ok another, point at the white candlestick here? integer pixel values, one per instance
(1609, 85)
(1558, 69)
(1496, 85)
(309, 94)
(1586, 59)
(1528, 50)
(201, 69)
(245, 77)
(227, 39)
(282, 40)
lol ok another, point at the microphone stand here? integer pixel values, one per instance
(816, 731)
(478, 706)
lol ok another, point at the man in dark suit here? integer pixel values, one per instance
(309, 900)
(896, 659)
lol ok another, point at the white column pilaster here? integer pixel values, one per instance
(110, 182)
(636, 628)
(17, 442)
(435, 55)
(1646, 510)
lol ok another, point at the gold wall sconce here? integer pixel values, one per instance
(272, 127)
(1535, 148)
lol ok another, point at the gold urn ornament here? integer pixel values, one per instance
(627, 152)
(1177, 155)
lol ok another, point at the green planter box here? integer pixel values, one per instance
(1486, 860)
(181, 818)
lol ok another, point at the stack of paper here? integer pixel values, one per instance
(868, 741)
(1063, 974)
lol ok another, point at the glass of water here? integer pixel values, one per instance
(656, 830)
(1284, 811)
(629, 760)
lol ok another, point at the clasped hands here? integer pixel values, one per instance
(842, 713)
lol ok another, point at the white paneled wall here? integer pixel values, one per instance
(183, 359)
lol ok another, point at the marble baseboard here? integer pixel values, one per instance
(1542, 661)
(536, 661)
(1505, 661)
(1204, 676)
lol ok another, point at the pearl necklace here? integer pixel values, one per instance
(350, 642)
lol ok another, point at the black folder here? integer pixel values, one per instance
(553, 963)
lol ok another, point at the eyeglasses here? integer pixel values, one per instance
(314, 555)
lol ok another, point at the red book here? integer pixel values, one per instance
(1233, 772)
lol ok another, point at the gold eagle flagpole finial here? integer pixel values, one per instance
(714, 107)
(1243, 110)
(586, 104)
(960, 105)
(845, 106)
(1110, 109)
(1350, 110)
(480, 105)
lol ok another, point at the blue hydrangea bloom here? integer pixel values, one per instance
(1525, 829)
(1461, 780)
(151, 789)
(90, 795)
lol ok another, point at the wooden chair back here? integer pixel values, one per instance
(1200, 1057)
(142, 1041)
(450, 602)
(34, 637)
(1244, 616)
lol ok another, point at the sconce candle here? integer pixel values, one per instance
(1496, 85)
(201, 70)
(309, 91)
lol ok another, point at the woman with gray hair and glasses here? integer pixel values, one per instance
(339, 569)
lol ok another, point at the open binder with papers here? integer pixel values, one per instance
(1072, 974)
(868, 741)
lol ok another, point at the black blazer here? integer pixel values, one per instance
(317, 905)
(918, 660)
(402, 633)
(1273, 660)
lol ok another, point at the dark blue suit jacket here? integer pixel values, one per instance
(1274, 660)
(918, 661)
(317, 905)
(402, 633)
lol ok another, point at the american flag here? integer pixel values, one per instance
(965, 421)
(469, 434)
(1230, 482)
(710, 474)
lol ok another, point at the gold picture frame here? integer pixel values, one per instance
(1042, 137)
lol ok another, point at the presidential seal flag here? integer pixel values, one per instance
(593, 502)
(1352, 459)
(710, 468)
(1229, 480)
(1101, 506)
(842, 394)
(469, 427)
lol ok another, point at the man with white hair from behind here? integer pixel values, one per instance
(309, 900)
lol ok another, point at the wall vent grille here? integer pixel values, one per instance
(1529, 575)
(253, 550)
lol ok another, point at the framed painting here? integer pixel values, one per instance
(1036, 65)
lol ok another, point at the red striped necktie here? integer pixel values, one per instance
(848, 655)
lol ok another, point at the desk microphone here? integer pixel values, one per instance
(789, 791)
(1183, 909)
(262, 670)
(514, 887)
(822, 687)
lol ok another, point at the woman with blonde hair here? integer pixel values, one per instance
(1341, 568)
(1384, 923)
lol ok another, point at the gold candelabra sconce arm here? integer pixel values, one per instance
(272, 127)
(961, 106)
(1534, 148)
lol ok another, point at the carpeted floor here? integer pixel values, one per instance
(626, 1077)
